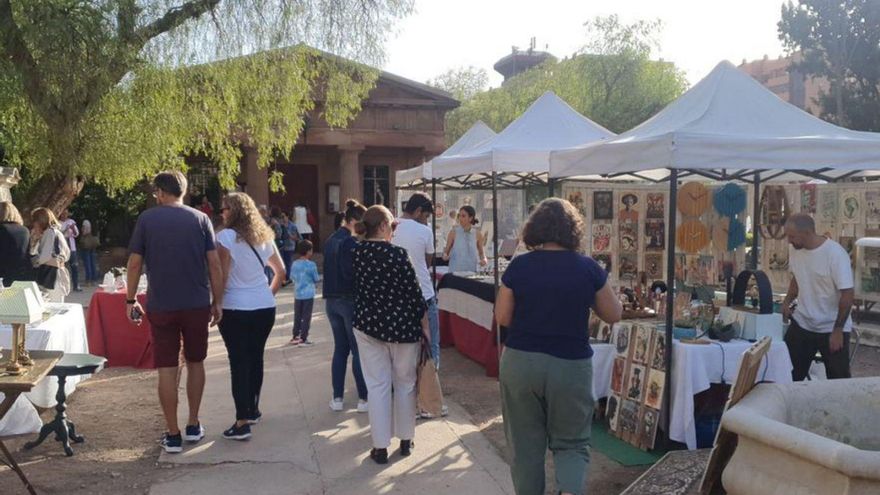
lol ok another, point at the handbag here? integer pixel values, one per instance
(47, 275)
(430, 395)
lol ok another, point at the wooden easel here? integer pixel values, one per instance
(725, 441)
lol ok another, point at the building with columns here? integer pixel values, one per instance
(401, 124)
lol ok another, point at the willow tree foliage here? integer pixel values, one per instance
(611, 79)
(113, 90)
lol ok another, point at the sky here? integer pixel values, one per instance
(696, 34)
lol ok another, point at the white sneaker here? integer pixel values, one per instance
(336, 404)
(444, 411)
(363, 406)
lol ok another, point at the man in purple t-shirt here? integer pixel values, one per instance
(177, 244)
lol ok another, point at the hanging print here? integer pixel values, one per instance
(872, 207)
(654, 266)
(601, 237)
(629, 267)
(774, 211)
(603, 260)
(656, 207)
(808, 198)
(850, 207)
(576, 198)
(629, 211)
(603, 205)
(655, 235)
(629, 237)
(828, 205)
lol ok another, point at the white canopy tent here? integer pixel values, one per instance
(474, 137)
(727, 127)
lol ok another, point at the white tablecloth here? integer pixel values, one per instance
(603, 362)
(63, 331)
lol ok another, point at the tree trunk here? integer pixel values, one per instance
(53, 192)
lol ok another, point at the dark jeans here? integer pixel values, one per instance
(90, 264)
(74, 271)
(287, 258)
(802, 346)
(340, 312)
(302, 318)
(245, 334)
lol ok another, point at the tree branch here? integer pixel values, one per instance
(175, 17)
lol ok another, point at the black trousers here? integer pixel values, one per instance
(302, 317)
(803, 345)
(245, 334)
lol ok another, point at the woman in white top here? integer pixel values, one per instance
(49, 248)
(246, 246)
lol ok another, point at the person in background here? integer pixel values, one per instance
(15, 240)
(246, 247)
(305, 276)
(464, 245)
(176, 243)
(822, 284)
(303, 222)
(50, 248)
(390, 322)
(288, 247)
(88, 252)
(71, 232)
(206, 207)
(339, 306)
(546, 369)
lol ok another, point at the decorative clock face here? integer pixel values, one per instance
(693, 199)
(692, 236)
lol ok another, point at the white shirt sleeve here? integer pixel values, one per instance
(429, 241)
(841, 269)
(226, 238)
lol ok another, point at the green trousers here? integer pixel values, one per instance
(547, 402)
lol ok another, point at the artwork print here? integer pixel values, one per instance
(628, 419)
(654, 389)
(629, 207)
(635, 386)
(612, 412)
(617, 374)
(648, 428)
(827, 206)
(656, 205)
(623, 337)
(654, 266)
(576, 198)
(628, 237)
(603, 205)
(642, 344)
(658, 352)
(778, 260)
(872, 207)
(601, 237)
(604, 260)
(809, 198)
(850, 207)
(655, 235)
(629, 267)
(706, 270)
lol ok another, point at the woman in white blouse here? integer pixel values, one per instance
(49, 248)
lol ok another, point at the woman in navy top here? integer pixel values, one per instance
(546, 372)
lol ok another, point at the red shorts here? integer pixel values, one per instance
(167, 328)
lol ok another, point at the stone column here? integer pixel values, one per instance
(351, 182)
(8, 178)
(257, 179)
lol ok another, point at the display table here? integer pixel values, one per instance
(467, 319)
(64, 330)
(113, 336)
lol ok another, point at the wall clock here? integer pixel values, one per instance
(692, 236)
(693, 199)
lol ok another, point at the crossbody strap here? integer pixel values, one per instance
(257, 255)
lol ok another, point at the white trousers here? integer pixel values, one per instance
(390, 372)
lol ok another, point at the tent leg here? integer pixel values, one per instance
(434, 231)
(756, 231)
(551, 185)
(495, 254)
(670, 297)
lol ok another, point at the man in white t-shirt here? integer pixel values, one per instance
(822, 285)
(414, 235)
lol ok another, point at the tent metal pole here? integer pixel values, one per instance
(434, 231)
(551, 185)
(495, 256)
(756, 231)
(670, 294)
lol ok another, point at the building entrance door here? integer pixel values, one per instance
(301, 189)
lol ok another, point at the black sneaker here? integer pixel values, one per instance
(255, 419)
(406, 447)
(379, 455)
(242, 432)
(173, 444)
(194, 433)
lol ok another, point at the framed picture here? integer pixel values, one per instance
(656, 207)
(617, 374)
(601, 237)
(603, 205)
(850, 207)
(642, 344)
(611, 412)
(808, 198)
(654, 266)
(872, 207)
(635, 386)
(629, 267)
(628, 418)
(655, 234)
(654, 389)
(658, 352)
(604, 260)
(629, 207)
(648, 428)
(621, 342)
(827, 205)
(576, 198)
(333, 204)
(628, 237)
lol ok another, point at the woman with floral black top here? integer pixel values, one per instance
(390, 323)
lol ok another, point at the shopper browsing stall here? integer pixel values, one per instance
(822, 286)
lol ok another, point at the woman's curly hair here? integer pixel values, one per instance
(554, 220)
(245, 219)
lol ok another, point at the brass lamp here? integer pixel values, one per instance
(20, 305)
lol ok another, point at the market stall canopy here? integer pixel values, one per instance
(474, 137)
(727, 122)
(524, 146)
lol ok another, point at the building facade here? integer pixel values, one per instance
(401, 124)
(778, 76)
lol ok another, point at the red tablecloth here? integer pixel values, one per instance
(471, 340)
(113, 336)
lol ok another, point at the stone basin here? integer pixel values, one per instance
(808, 438)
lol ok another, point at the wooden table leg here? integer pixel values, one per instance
(8, 400)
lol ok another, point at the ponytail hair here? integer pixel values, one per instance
(354, 211)
(471, 212)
